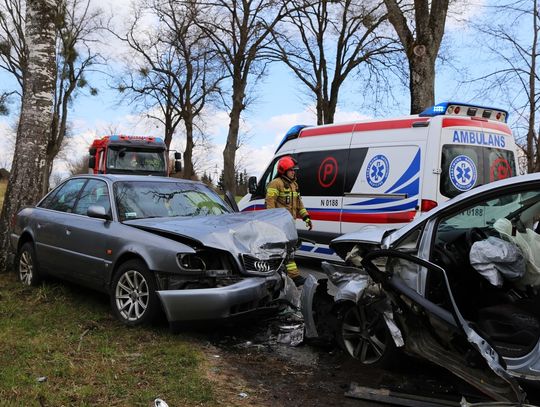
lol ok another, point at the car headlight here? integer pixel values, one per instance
(191, 262)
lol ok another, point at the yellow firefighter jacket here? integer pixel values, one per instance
(283, 193)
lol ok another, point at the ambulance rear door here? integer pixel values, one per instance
(474, 152)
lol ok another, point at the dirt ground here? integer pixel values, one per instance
(254, 370)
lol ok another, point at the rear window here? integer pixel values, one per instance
(465, 167)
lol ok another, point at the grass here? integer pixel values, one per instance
(3, 186)
(68, 335)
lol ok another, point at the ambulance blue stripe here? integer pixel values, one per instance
(306, 248)
(413, 170)
(324, 250)
(409, 205)
(412, 189)
(374, 201)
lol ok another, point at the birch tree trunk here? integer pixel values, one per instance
(33, 133)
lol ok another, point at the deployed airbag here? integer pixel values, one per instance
(496, 260)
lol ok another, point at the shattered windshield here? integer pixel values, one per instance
(147, 199)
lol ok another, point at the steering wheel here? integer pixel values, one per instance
(474, 235)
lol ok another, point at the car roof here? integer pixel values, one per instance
(128, 177)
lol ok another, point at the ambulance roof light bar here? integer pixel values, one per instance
(291, 134)
(465, 109)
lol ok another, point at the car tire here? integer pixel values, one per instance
(363, 334)
(133, 294)
(26, 265)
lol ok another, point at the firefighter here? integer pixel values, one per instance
(282, 192)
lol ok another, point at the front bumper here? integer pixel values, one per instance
(217, 303)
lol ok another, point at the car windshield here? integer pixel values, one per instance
(128, 160)
(150, 199)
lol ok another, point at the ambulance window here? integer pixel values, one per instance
(465, 167)
(269, 175)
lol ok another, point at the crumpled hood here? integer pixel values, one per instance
(244, 232)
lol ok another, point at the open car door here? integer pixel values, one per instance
(427, 325)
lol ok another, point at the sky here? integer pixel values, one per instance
(280, 104)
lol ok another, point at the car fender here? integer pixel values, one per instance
(158, 252)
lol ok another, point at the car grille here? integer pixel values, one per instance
(253, 264)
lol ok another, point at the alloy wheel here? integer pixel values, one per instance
(364, 334)
(26, 268)
(132, 295)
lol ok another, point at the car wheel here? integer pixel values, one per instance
(363, 334)
(133, 295)
(27, 267)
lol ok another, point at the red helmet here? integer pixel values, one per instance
(285, 164)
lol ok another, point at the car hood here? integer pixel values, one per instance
(261, 233)
(370, 236)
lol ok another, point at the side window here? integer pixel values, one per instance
(269, 175)
(95, 192)
(65, 198)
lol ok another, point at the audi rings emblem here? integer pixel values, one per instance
(262, 266)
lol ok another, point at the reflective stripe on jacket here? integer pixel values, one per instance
(283, 193)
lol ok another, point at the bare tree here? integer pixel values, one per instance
(241, 31)
(421, 43)
(33, 133)
(78, 165)
(516, 74)
(76, 25)
(13, 58)
(177, 72)
(324, 42)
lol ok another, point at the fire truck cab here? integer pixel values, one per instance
(119, 154)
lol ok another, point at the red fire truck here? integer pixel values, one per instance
(119, 154)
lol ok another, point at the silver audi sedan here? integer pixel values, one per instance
(156, 244)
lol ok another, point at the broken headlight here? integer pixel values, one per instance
(207, 262)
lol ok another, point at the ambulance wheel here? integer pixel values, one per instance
(363, 334)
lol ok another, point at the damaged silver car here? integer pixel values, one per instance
(156, 243)
(459, 286)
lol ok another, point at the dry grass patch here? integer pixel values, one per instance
(68, 336)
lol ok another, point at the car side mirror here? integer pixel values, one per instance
(252, 184)
(97, 211)
(177, 166)
(229, 199)
(91, 162)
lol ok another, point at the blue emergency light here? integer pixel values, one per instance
(465, 109)
(291, 134)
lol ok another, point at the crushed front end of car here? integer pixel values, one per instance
(236, 267)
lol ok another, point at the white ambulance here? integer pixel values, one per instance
(387, 172)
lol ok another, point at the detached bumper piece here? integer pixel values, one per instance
(216, 303)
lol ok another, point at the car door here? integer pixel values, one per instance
(86, 238)
(426, 324)
(52, 216)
